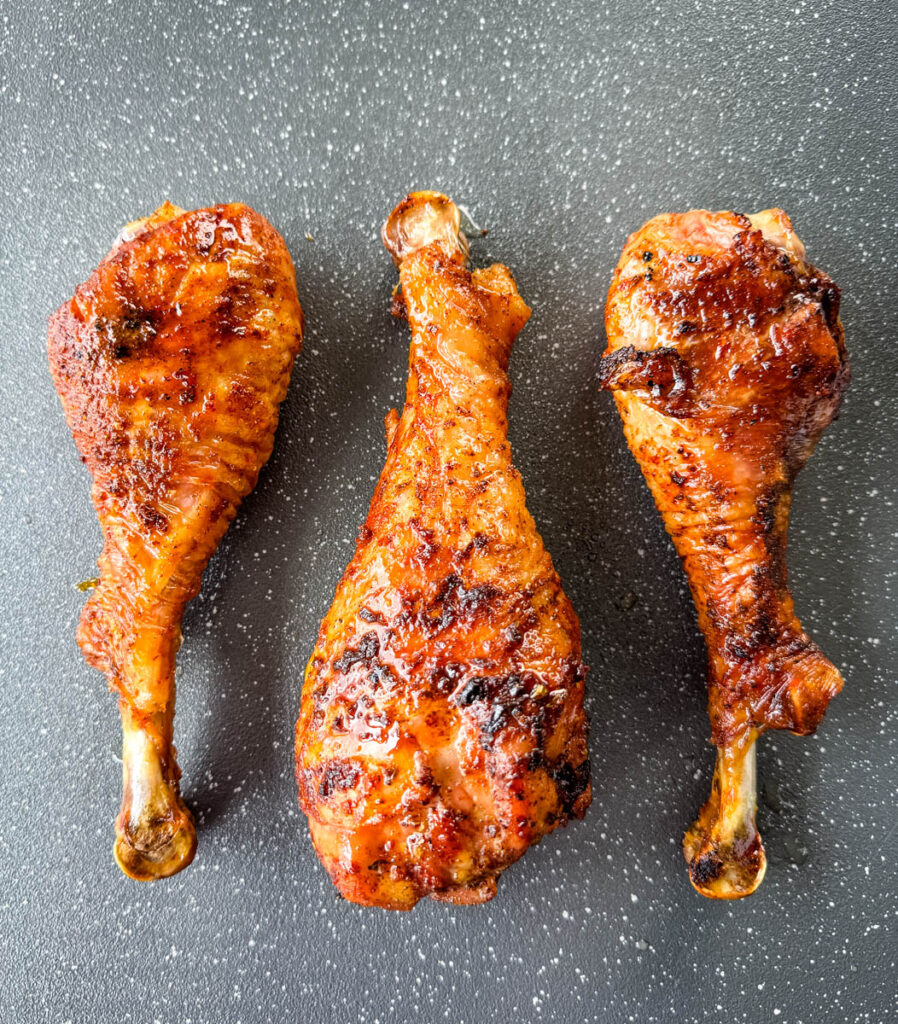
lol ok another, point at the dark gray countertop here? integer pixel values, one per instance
(562, 127)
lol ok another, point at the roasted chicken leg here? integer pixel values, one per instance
(442, 728)
(727, 361)
(171, 362)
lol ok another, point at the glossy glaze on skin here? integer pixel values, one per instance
(727, 361)
(442, 728)
(171, 362)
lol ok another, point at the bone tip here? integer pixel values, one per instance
(724, 871)
(421, 219)
(723, 848)
(157, 849)
(166, 212)
(776, 227)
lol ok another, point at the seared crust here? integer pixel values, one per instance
(727, 360)
(171, 361)
(442, 728)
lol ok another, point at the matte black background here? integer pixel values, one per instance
(562, 127)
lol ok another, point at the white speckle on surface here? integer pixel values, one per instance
(561, 126)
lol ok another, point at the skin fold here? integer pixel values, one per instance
(442, 729)
(171, 362)
(727, 361)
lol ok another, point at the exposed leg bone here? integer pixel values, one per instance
(724, 850)
(155, 832)
(422, 219)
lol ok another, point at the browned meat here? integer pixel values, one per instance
(727, 361)
(442, 728)
(171, 362)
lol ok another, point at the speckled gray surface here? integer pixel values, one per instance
(562, 127)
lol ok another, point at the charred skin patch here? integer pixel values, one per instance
(364, 654)
(661, 373)
(188, 386)
(128, 334)
(454, 602)
(337, 776)
(572, 782)
(518, 699)
(152, 518)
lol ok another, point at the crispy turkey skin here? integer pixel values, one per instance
(727, 360)
(442, 728)
(171, 362)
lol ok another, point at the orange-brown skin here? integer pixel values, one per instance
(442, 728)
(171, 362)
(727, 361)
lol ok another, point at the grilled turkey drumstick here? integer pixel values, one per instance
(727, 361)
(442, 728)
(171, 362)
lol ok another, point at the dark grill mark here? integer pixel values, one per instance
(571, 781)
(365, 653)
(338, 776)
(475, 689)
(455, 601)
(128, 334)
